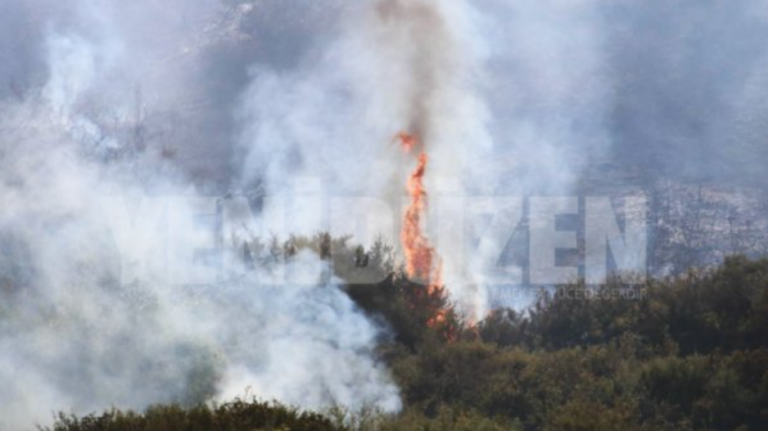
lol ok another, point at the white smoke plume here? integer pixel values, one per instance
(494, 91)
(144, 99)
(392, 66)
(89, 317)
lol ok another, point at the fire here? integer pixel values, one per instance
(421, 260)
(419, 254)
(407, 141)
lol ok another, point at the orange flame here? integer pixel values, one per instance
(420, 257)
(407, 141)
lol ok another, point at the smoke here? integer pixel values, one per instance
(689, 103)
(148, 100)
(389, 66)
(510, 98)
(95, 182)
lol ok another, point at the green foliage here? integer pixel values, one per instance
(724, 309)
(684, 353)
(688, 353)
(238, 415)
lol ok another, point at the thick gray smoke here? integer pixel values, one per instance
(98, 173)
(112, 110)
(393, 66)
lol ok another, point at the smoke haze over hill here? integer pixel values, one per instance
(148, 101)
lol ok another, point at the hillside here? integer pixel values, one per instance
(690, 353)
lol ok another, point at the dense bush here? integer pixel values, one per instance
(235, 416)
(688, 353)
(723, 309)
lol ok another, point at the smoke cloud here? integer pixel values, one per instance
(392, 66)
(90, 318)
(107, 107)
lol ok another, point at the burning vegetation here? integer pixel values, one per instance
(654, 363)
(421, 260)
(243, 102)
(422, 263)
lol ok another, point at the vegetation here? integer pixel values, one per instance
(234, 416)
(685, 353)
